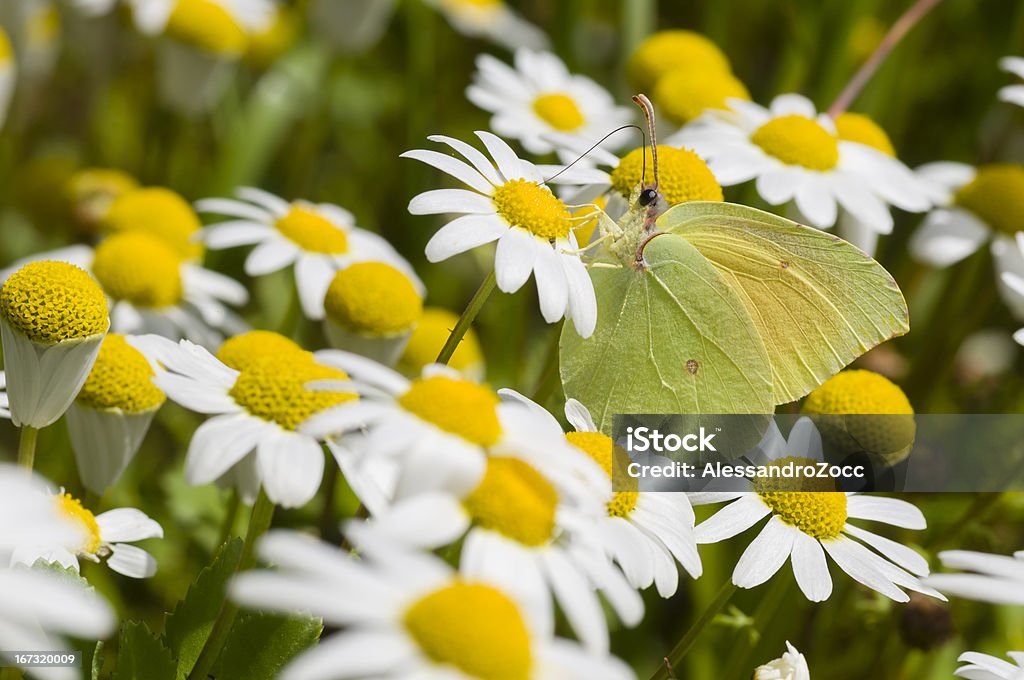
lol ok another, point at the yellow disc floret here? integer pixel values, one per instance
(242, 350)
(50, 302)
(529, 205)
(600, 448)
(208, 25)
(856, 127)
(667, 51)
(139, 268)
(996, 195)
(160, 212)
(475, 628)
(373, 298)
(683, 175)
(120, 379)
(71, 507)
(559, 111)
(274, 388)
(797, 140)
(311, 231)
(458, 406)
(820, 515)
(684, 94)
(428, 337)
(515, 500)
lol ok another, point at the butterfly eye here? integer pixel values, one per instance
(648, 196)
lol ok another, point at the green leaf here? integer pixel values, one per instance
(260, 645)
(142, 656)
(188, 626)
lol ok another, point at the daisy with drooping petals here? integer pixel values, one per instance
(317, 239)
(406, 614)
(795, 155)
(997, 579)
(1013, 94)
(252, 438)
(976, 205)
(491, 19)
(985, 667)
(790, 666)
(510, 204)
(539, 97)
(8, 75)
(98, 537)
(805, 525)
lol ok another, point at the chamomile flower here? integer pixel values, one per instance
(104, 537)
(317, 239)
(8, 75)
(985, 667)
(510, 204)
(428, 338)
(796, 155)
(790, 666)
(252, 438)
(491, 19)
(1013, 94)
(538, 96)
(53, 317)
(804, 525)
(989, 578)
(645, 533)
(977, 205)
(112, 413)
(407, 614)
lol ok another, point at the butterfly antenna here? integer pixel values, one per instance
(594, 146)
(645, 104)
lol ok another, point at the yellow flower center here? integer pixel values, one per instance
(684, 94)
(139, 268)
(161, 213)
(461, 407)
(71, 507)
(856, 127)
(50, 302)
(475, 628)
(996, 196)
(373, 298)
(93, 191)
(208, 25)
(534, 208)
(428, 337)
(121, 379)
(599, 447)
(242, 350)
(820, 514)
(559, 111)
(667, 51)
(796, 140)
(683, 175)
(274, 388)
(515, 500)
(312, 232)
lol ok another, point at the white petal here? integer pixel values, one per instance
(947, 236)
(291, 467)
(888, 510)
(898, 553)
(235, 233)
(440, 201)
(855, 560)
(233, 208)
(352, 654)
(475, 158)
(218, 444)
(504, 157)
(733, 519)
(815, 202)
(454, 167)
(552, 287)
(271, 256)
(127, 524)
(313, 275)
(131, 561)
(810, 568)
(427, 521)
(765, 555)
(513, 261)
(462, 234)
(578, 601)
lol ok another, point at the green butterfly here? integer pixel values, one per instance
(713, 308)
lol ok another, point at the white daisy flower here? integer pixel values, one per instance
(985, 667)
(977, 205)
(510, 204)
(409, 615)
(252, 438)
(645, 533)
(317, 239)
(1013, 94)
(805, 525)
(790, 666)
(493, 20)
(795, 155)
(97, 538)
(539, 97)
(991, 578)
(4, 405)
(8, 75)
(41, 607)
(226, 21)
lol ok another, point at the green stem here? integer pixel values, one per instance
(467, 318)
(259, 522)
(685, 643)
(27, 447)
